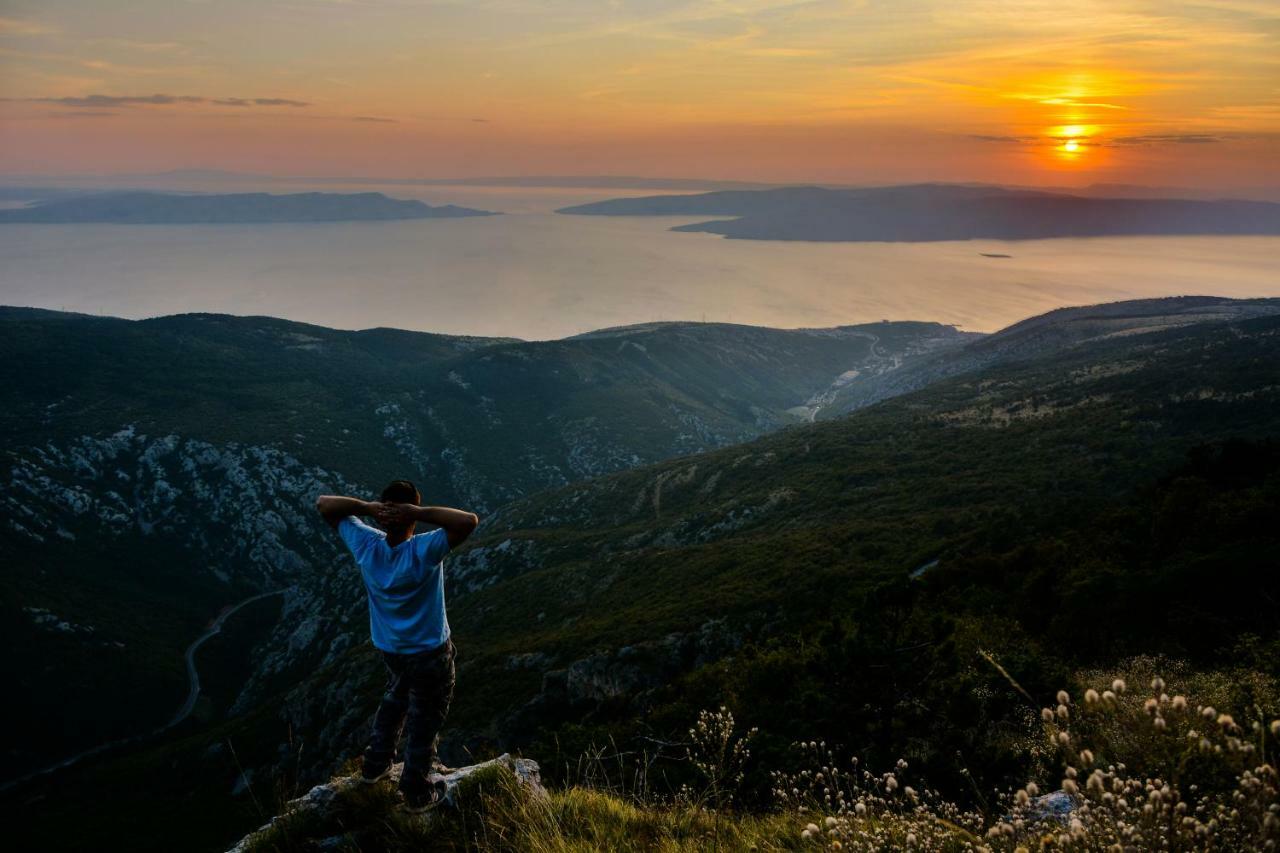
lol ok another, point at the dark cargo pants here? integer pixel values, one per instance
(419, 690)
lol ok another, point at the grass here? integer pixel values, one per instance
(1140, 768)
(496, 813)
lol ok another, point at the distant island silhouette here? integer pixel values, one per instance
(156, 208)
(930, 212)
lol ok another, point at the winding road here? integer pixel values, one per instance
(188, 705)
(193, 676)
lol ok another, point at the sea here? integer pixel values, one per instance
(535, 274)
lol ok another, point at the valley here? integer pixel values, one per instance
(751, 519)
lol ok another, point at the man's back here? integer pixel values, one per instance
(405, 585)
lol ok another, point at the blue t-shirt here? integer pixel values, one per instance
(405, 585)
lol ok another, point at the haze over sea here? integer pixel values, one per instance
(536, 274)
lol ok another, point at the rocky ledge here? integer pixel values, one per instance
(320, 799)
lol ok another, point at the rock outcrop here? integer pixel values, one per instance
(321, 798)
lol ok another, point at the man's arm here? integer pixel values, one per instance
(458, 524)
(334, 508)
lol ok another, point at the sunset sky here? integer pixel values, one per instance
(1065, 92)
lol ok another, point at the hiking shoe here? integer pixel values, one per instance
(373, 774)
(420, 800)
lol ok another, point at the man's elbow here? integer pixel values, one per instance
(324, 506)
(460, 531)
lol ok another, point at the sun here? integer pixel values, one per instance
(1072, 140)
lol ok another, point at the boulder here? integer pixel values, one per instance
(319, 798)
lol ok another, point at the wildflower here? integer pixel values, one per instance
(1226, 721)
(830, 822)
(1064, 698)
(836, 845)
(860, 809)
(1064, 738)
(890, 783)
(1091, 696)
(1275, 728)
(911, 839)
(1033, 789)
(1108, 696)
(1157, 685)
(812, 828)
(1150, 706)
(1159, 723)
(1118, 685)
(1086, 757)
(1180, 703)
(1208, 713)
(806, 834)
(1047, 715)
(1063, 713)
(1070, 786)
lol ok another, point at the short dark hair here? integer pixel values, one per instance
(401, 492)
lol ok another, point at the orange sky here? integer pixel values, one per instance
(1054, 93)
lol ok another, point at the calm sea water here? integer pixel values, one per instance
(536, 274)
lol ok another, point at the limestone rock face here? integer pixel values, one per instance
(319, 798)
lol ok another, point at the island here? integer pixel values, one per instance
(930, 212)
(157, 208)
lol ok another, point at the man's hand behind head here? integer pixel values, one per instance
(393, 515)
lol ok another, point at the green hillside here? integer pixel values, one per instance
(1109, 501)
(159, 470)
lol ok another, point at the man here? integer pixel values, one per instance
(404, 577)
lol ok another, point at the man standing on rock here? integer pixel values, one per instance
(404, 577)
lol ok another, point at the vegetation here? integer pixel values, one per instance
(1136, 771)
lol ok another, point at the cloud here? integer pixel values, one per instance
(1168, 138)
(1115, 141)
(1018, 140)
(377, 119)
(15, 27)
(100, 101)
(83, 114)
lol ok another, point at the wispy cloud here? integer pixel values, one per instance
(375, 119)
(16, 27)
(1168, 138)
(99, 101)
